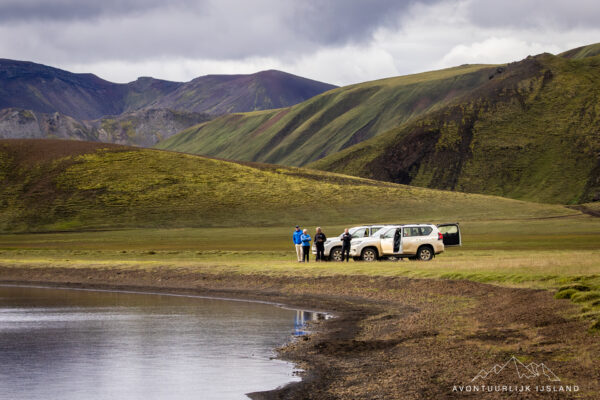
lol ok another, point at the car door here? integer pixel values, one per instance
(410, 239)
(451, 234)
(388, 241)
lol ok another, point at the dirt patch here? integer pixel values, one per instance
(27, 152)
(393, 338)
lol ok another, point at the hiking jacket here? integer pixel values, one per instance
(320, 238)
(296, 237)
(305, 240)
(346, 239)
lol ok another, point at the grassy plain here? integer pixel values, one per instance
(560, 254)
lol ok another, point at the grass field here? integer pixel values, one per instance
(560, 254)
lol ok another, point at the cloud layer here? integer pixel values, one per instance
(336, 41)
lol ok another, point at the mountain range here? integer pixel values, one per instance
(80, 101)
(527, 130)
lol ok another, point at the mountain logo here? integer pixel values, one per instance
(529, 371)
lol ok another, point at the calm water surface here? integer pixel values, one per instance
(76, 344)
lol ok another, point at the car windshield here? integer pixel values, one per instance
(359, 232)
(379, 232)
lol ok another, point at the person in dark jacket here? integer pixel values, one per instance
(320, 239)
(346, 239)
(305, 245)
(298, 242)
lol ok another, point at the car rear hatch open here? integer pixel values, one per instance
(451, 234)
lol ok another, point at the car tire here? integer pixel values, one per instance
(425, 253)
(369, 254)
(335, 254)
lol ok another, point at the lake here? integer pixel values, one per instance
(82, 344)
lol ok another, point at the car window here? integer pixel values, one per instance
(361, 233)
(389, 234)
(448, 229)
(375, 229)
(417, 231)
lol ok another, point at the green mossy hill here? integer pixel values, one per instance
(53, 185)
(329, 122)
(531, 133)
(591, 50)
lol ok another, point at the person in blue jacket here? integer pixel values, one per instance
(298, 242)
(305, 245)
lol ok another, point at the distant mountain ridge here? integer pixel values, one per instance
(40, 101)
(36, 87)
(527, 130)
(329, 122)
(530, 133)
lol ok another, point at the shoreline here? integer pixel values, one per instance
(391, 338)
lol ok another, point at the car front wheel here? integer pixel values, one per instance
(425, 253)
(336, 254)
(369, 254)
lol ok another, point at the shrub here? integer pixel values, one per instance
(581, 297)
(565, 294)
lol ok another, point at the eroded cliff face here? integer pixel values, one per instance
(141, 128)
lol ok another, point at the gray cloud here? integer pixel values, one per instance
(75, 30)
(340, 41)
(548, 14)
(15, 11)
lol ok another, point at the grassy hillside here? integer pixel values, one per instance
(49, 185)
(591, 50)
(329, 122)
(531, 133)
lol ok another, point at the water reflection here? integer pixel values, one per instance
(303, 318)
(67, 344)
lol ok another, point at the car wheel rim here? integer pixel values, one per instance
(425, 255)
(369, 256)
(337, 255)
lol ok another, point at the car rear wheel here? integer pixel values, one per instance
(369, 254)
(425, 253)
(336, 254)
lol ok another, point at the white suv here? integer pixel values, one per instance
(415, 241)
(333, 247)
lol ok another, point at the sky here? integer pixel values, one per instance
(335, 41)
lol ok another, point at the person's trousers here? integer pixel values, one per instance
(305, 253)
(320, 251)
(299, 251)
(346, 253)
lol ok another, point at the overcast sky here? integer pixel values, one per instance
(336, 41)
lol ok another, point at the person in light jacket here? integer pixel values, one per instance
(305, 245)
(298, 242)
